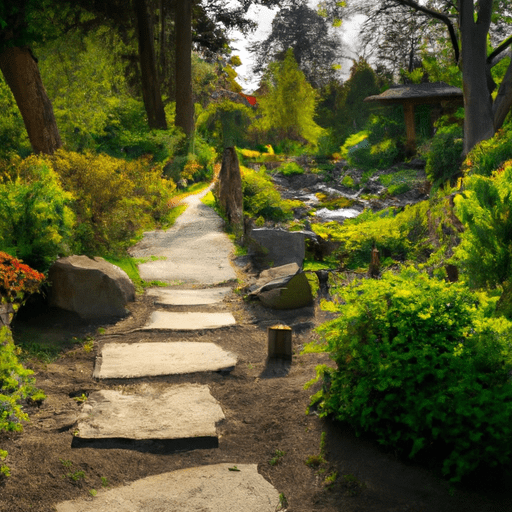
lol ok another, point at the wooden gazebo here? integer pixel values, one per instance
(416, 94)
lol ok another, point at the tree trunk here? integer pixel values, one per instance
(150, 82)
(230, 188)
(184, 103)
(23, 78)
(478, 114)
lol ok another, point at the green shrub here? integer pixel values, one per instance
(352, 141)
(261, 199)
(17, 387)
(445, 155)
(35, 218)
(290, 168)
(401, 181)
(421, 367)
(348, 181)
(115, 200)
(425, 233)
(13, 135)
(488, 156)
(485, 208)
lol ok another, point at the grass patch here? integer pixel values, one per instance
(401, 181)
(130, 266)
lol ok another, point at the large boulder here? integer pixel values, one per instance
(276, 247)
(284, 287)
(93, 288)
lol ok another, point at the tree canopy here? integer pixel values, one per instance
(317, 50)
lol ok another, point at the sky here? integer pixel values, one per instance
(264, 17)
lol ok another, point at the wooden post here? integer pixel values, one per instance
(374, 270)
(279, 342)
(409, 128)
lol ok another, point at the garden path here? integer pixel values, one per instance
(183, 416)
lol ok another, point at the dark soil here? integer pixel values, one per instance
(264, 405)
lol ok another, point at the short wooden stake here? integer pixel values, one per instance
(279, 342)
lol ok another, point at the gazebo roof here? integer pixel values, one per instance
(421, 93)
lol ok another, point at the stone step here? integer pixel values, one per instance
(186, 411)
(125, 360)
(188, 321)
(211, 488)
(173, 297)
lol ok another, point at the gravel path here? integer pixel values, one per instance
(195, 251)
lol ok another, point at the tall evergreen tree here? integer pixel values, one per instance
(288, 107)
(316, 48)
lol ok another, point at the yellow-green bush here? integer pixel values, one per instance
(114, 200)
(424, 233)
(36, 221)
(422, 367)
(261, 199)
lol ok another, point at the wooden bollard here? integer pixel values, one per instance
(279, 342)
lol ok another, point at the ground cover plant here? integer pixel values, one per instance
(423, 366)
(261, 199)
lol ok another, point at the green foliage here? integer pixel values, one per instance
(288, 108)
(342, 109)
(17, 386)
(84, 78)
(115, 200)
(348, 181)
(278, 455)
(13, 136)
(290, 168)
(401, 181)
(421, 367)
(353, 141)
(485, 208)
(488, 155)
(424, 233)
(35, 218)
(262, 199)
(445, 155)
(225, 122)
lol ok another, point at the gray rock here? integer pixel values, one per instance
(93, 288)
(295, 294)
(214, 488)
(275, 274)
(277, 247)
(283, 287)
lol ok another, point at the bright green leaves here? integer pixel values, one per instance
(35, 218)
(289, 106)
(419, 363)
(16, 385)
(485, 208)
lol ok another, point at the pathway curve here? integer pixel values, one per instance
(194, 252)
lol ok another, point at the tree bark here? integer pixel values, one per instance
(23, 78)
(150, 82)
(184, 102)
(478, 117)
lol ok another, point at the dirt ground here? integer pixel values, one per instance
(264, 405)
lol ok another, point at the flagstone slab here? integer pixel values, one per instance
(172, 297)
(180, 412)
(188, 321)
(125, 360)
(212, 488)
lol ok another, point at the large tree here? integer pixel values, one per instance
(151, 93)
(21, 73)
(315, 47)
(469, 25)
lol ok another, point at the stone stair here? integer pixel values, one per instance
(175, 417)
